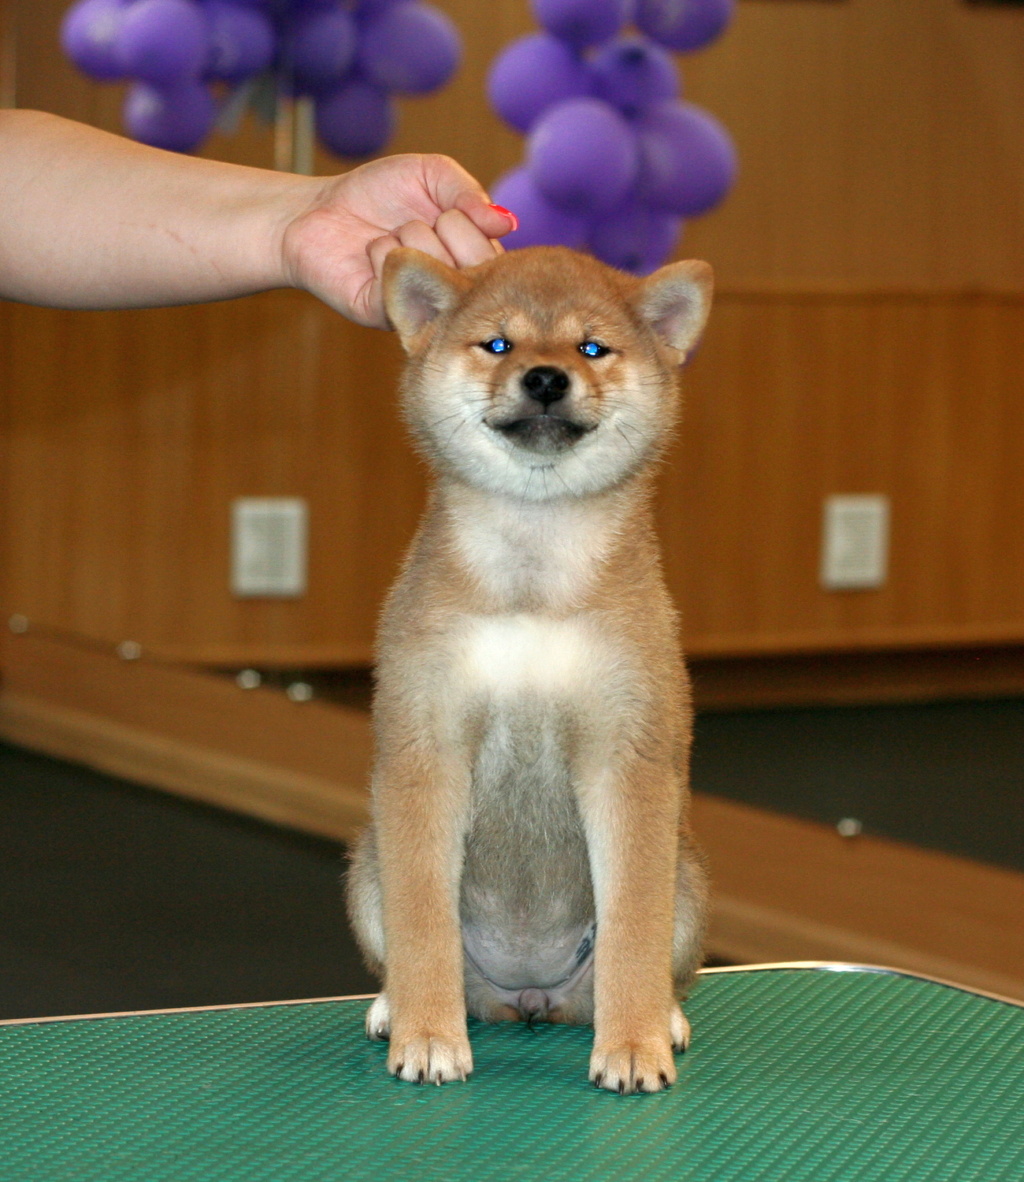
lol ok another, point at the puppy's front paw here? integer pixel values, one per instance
(633, 1066)
(430, 1058)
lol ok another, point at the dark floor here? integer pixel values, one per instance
(946, 775)
(114, 897)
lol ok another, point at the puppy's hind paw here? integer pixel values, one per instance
(378, 1019)
(679, 1030)
(431, 1058)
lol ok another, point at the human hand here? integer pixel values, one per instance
(335, 247)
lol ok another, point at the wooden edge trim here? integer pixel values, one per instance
(245, 1005)
(817, 291)
(830, 966)
(866, 639)
(840, 966)
(274, 794)
(724, 647)
(259, 654)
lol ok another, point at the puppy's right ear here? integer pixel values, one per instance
(417, 290)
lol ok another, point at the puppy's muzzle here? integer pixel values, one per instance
(544, 421)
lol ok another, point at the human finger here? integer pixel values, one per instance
(423, 237)
(465, 242)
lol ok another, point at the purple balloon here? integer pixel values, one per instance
(635, 238)
(163, 41)
(631, 73)
(582, 155)
(683, 25)
(582, 22)
(687, 160)
(323, 48)
(241, 41)
(533, 74)
(540, 222)
(89, 35)
(177, 117)
(357, 119)
(411, 48)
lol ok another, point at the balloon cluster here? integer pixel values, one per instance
(349, 56)
(614, 159)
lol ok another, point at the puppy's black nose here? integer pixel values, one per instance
(546, 383)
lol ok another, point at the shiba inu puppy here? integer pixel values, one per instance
(530, 854)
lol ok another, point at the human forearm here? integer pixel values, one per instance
(91, 220)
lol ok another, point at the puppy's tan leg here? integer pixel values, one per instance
(631, 819)
(420, 809)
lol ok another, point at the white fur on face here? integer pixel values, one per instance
(458, 402)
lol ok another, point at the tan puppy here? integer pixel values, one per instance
(530, 854)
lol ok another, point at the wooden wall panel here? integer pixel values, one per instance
(135, 433)
(794, 399)
(8, 86)
(867, 339)
(122, 475)
(879, 145)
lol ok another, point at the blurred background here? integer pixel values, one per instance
(841, 519)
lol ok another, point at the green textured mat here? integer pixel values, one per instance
(800, 1075)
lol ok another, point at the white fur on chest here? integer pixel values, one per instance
(550, 552)
(514, 655)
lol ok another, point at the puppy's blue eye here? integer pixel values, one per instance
(496, 345)
(593, 349)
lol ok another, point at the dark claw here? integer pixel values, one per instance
(419, 1078)
(639, 1084)
(399, 1069)
(664, 1079)
(622, 1087)
(598, 1079)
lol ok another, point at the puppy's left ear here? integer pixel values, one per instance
(675, 302)
(417, 290)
